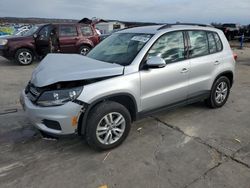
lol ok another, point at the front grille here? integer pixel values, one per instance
(32, 92)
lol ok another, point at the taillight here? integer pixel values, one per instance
(235, 56)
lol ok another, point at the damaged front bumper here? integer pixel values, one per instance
(56, 120)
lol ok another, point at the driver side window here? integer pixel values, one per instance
(44, 33)
(170, 47)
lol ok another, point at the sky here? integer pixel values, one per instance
(161, 11)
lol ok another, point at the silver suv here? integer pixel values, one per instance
(129, 75)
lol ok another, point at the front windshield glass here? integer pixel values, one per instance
(120, 48)
(20, 33)
(32, 30)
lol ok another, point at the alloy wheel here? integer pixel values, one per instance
(110, 128)
(221, 92)
(25, 58)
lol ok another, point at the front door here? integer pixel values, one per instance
(168, 85)
(42, 40)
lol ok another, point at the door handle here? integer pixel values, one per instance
(184, 70)
(216, 62)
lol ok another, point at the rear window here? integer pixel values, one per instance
(211, 42)
(67, 30)
(86, 31)
(198, 43)
(218, 42)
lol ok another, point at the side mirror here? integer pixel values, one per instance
(35, 36)
(155, 62)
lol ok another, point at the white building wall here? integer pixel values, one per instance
(108, 26)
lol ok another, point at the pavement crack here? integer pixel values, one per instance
(155, 156)
(203, 175)
(199, 140)
(10, 167)
(8, 111)
(240, 162)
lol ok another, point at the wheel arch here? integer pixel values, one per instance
(124, 99)
(88, 43)
(26, 47)
(228, 74)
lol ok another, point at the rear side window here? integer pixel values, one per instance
(67, 30)
(86, 31)
(170, 47)
(211, 42)
(218, 42)
(198, 43)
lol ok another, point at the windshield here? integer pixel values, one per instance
(120, 48)
(32, 30)
(20, 33)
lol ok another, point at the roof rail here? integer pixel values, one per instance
(191, 24)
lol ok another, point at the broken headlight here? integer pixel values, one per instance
(59, 97)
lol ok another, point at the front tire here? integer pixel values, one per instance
(108, 125)
(219, 93)
(24, 56)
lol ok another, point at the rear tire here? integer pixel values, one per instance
(24, 56)
(108, 125)
(219, 93)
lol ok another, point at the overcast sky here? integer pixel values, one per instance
(200, 11)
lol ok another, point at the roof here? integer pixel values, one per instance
(157, 28)
(144, 29)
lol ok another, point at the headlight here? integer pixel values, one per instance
(59, 97)
(3, 42)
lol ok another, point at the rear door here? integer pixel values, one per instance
(168, 85)
(204, 59)
(68, 38)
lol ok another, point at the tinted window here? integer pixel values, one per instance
(198, 43)
(86, 30)
(170, 47)
(218, 42)
(212, 43)
(67, 30)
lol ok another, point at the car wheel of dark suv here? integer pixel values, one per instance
(24, 56)
(108, 125)
(84, 50)
(219, 93)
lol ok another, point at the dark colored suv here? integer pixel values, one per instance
(72, 38)
(231, 30)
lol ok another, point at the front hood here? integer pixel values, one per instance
(69, 67)
(17, 38)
